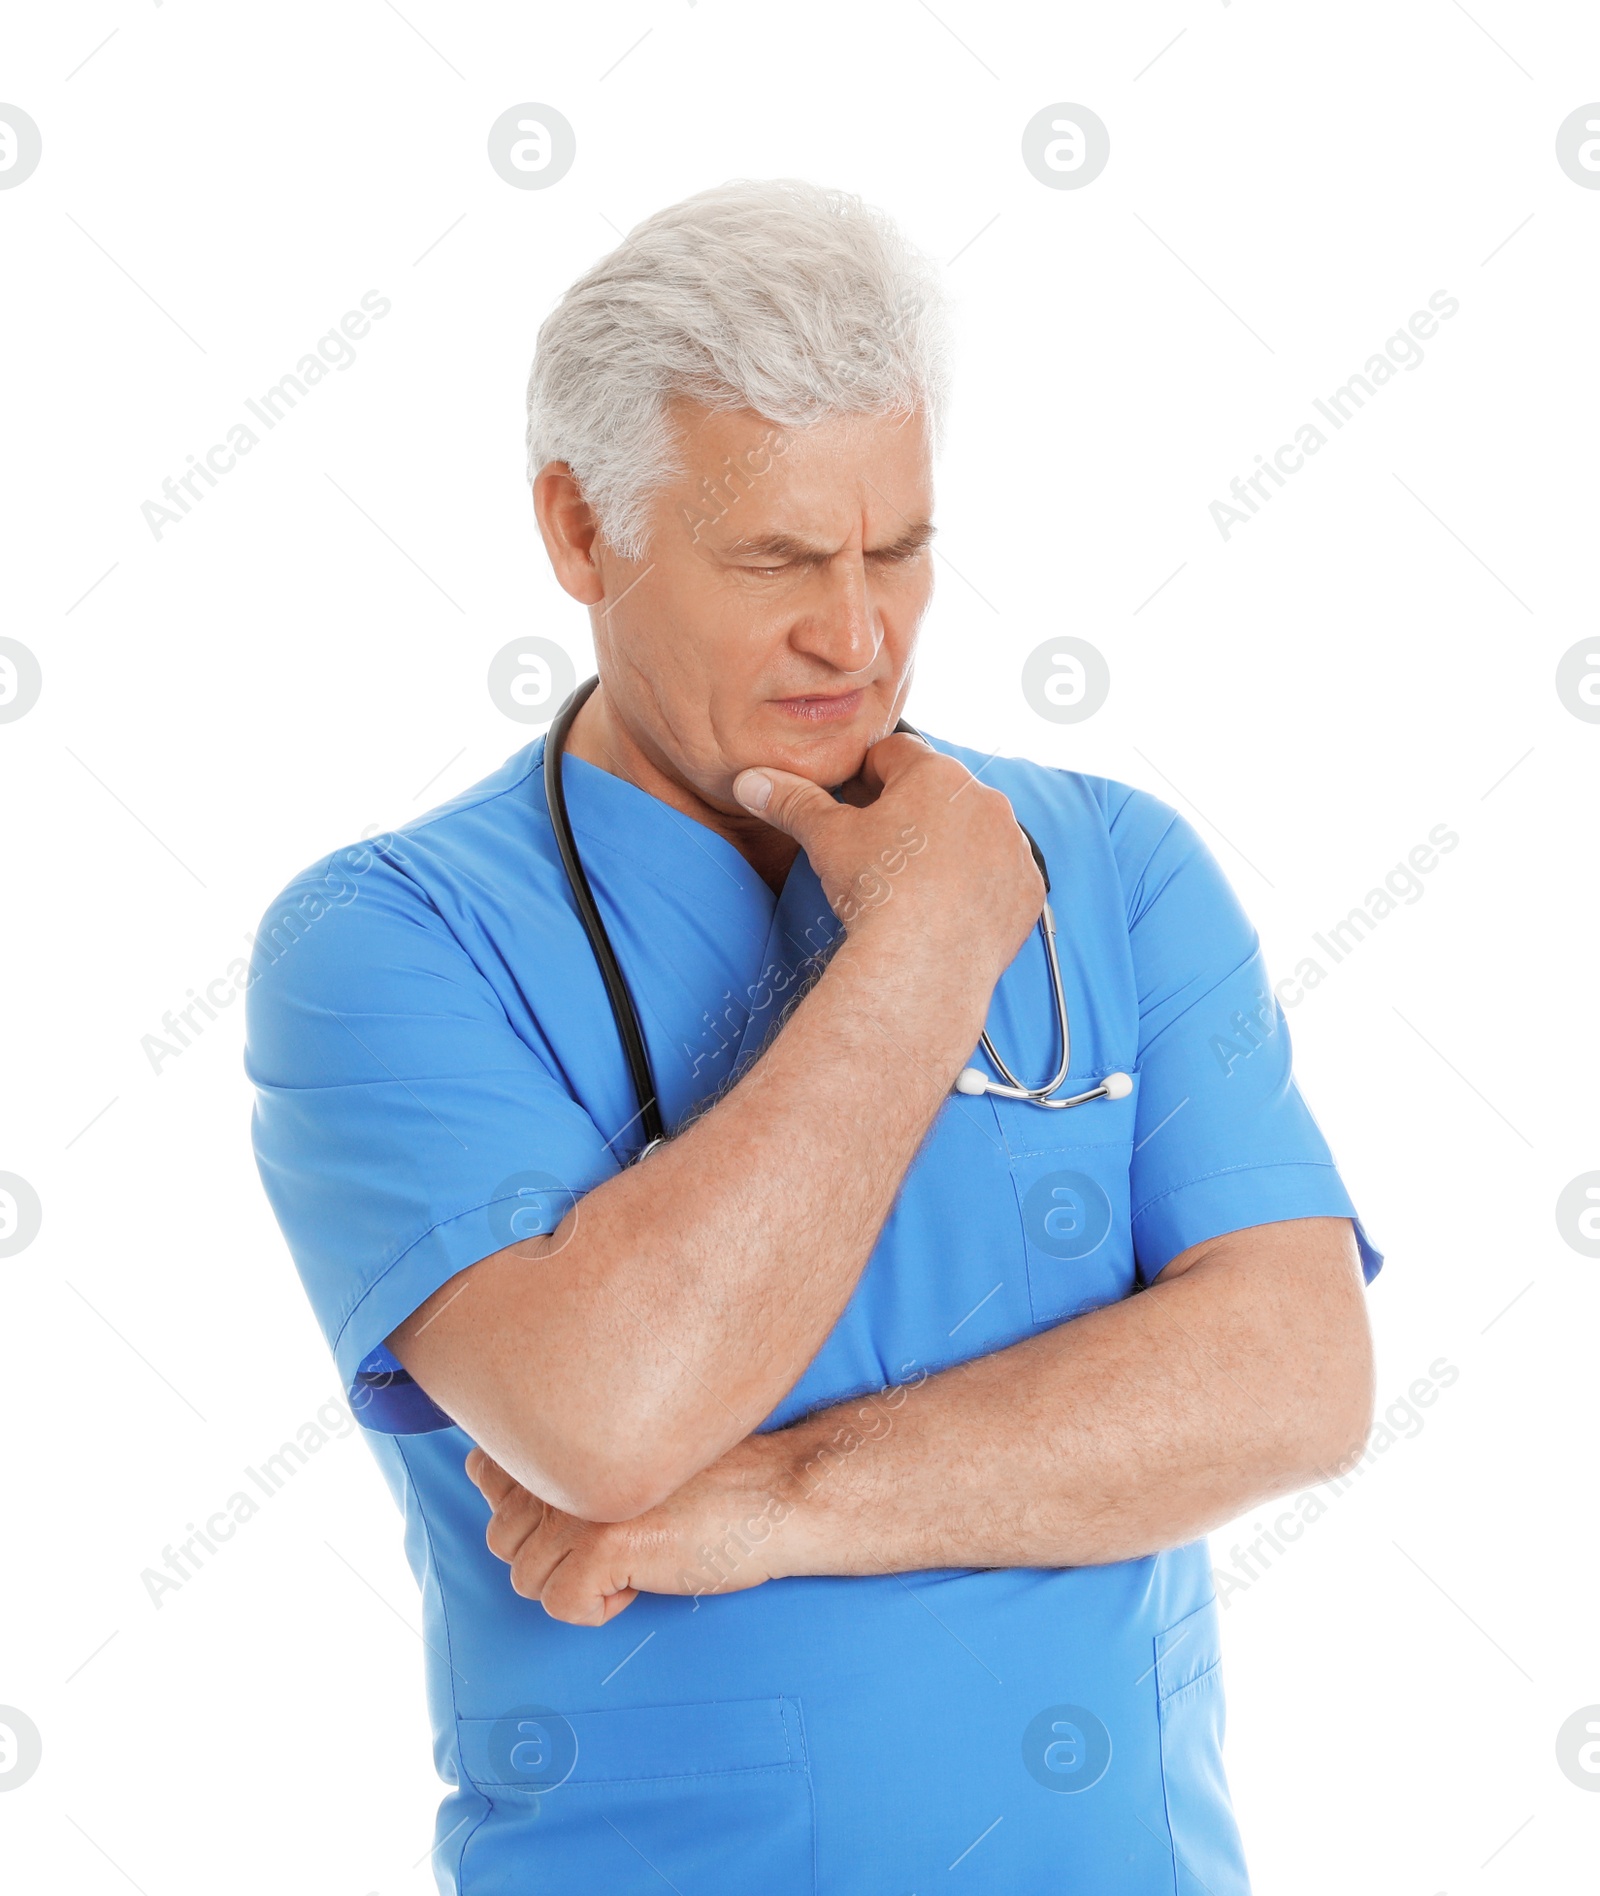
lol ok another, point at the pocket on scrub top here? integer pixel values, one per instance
(712, 1800)
(1208, 1856)
(1070, 1170)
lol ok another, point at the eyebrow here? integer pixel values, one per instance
(779, 547)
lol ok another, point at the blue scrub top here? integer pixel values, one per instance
(438, 1074)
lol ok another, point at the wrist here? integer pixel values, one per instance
(815, 1472)
(785, 1521)
(923, 1003)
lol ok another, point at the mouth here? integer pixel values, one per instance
(823, 708)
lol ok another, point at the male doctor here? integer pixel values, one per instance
(815, 1501)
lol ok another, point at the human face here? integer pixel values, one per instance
(774, 617)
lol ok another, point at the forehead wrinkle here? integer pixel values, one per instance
(792, 546)
(785, 543)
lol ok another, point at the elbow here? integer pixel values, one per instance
(603, 1462)
(1336, 1444)
(612, 1493)
(604, 1481)
(621, 1461)
(1339, 1424)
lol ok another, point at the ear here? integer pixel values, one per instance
(569, 530)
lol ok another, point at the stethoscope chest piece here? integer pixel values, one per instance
(973, 1082)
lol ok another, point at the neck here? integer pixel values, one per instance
(601, 737)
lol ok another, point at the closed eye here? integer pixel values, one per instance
(802, 562)
(884, 555)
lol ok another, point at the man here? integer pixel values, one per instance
(841, 1462)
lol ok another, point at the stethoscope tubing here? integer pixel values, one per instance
(1011, 1087)
(623, 1010)
(626, 1014)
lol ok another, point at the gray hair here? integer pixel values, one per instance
(772, 295)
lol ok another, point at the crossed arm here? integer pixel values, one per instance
(613, 1371)
(1243, 1371)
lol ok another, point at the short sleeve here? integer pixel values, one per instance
(1223, 1139)
(402, 1128)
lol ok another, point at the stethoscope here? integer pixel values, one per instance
(969, 1081)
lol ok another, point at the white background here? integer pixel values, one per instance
(294, 664)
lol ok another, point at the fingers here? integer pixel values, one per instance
(579, 1588)
(519, 1516)
(569, 1570)
(892, 755)
(517, 1513)
(490, 1478)
(792, 804)
(889, 757)
(796, 805)
(554, 1558)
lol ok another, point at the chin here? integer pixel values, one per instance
(829, 758)
(829, 753)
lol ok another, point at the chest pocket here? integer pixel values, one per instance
(1070, 1172)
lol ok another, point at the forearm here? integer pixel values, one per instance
(734, 1248)
(678, 1302)
(1131, 1429)
(605, 1365)
(1246, 1371)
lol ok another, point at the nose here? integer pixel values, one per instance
(841, 625)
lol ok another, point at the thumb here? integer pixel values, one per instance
(792, 804)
